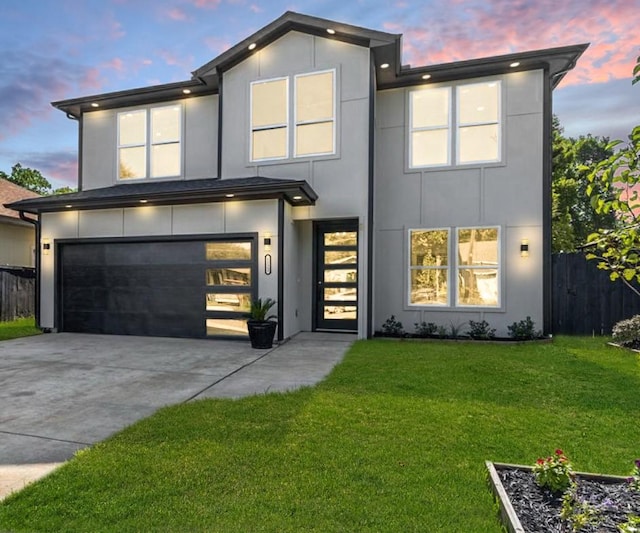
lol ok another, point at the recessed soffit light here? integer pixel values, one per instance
(297, 197)
(186, 91)
(95, 104)
(331, 31)
(384, 65)
(68, 206)
(426, 76)
(515, 64)
(252, 46)
(143, 201)
(230, 195)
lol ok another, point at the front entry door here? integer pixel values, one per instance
(336, 275)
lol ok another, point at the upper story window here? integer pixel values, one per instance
(458, 125)
(149, 143)
(312, 121)
(466, 272)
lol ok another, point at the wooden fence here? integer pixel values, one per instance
(585, 300)
(17, 292)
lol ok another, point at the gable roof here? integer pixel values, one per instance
(385, 48)
(296, 192)
(10, 193)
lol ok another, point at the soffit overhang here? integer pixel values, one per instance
(150, 193)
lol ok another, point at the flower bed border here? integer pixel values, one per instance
(508, 515)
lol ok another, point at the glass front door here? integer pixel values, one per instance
(336, 275)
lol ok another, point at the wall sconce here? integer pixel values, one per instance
(46, 246)
(267, 242)
(524, 248)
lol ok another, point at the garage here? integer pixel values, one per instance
(188, 287)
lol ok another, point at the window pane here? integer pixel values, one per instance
(165, 160)
(226, 326)
(133, 163)
(478, 143)
(340, 258)
(132, 127)
(340, 312)
(430, 108)
(228, 250)
(341, 238)
(314, 97)
(430, 248)
(340, 276)
(229, 276)
(478, 103)
(165, 124)
(314, 139)
(478, 246)
(429, 287)
(269, 103)
(269, 144)
(430, 147)
(343, 293)
(223, 301)
(478, 286)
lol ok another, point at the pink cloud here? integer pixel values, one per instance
(206, 4)
(177, 14)
(172, 59)
(217, 44)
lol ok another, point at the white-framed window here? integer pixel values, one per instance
(270, 119)
(150, 142)
(455, 125)
(302, 123)
(471, 258)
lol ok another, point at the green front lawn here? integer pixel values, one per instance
(394, 440)
(21, 327)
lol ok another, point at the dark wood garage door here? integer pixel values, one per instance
(141, 288)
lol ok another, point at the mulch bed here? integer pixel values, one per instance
(539, 510)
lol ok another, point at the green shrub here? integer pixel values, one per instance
(481, 330)
(393, 327)
(524, 330)
(627, 332)
(424, 329)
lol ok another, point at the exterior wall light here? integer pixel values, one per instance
(524, 248)
(267, 242)
(46, 246)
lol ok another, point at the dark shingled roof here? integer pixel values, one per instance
(10, 193)
(296, 192)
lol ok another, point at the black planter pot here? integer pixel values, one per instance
(261, 333)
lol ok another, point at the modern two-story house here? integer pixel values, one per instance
(307, 164)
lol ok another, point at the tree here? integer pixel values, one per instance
(32, 180)
(573, 217)
(613, 188)
(28, 178)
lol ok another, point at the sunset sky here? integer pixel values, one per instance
(58, 49)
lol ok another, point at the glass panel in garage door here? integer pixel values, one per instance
(230, 285)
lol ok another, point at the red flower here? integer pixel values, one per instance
(559, 452)
(540, 461)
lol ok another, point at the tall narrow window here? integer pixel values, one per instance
(478, 122)
(149, 143)
(429, 267)
(269, 119)
(478, 267)
(315, 114)
(165, 141)
(430, 130)
(132, 144)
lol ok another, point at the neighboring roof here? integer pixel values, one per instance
(385, 47)
(9, 193)
(296, 192)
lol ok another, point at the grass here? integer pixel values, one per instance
(21, 327)
(394, 440)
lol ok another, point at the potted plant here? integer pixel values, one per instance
(262, 328)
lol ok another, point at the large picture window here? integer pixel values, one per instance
(149, 143)
(472, 259)
(460, 127)
(309, 113)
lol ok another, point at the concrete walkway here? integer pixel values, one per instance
(63, 392)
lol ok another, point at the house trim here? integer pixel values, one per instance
(547, 177)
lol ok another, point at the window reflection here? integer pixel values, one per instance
(229, 276)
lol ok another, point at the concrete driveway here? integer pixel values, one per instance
(63, 392)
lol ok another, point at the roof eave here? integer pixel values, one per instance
(558, 61)
(288, 192)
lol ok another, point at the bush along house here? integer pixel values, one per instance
(308, 165)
